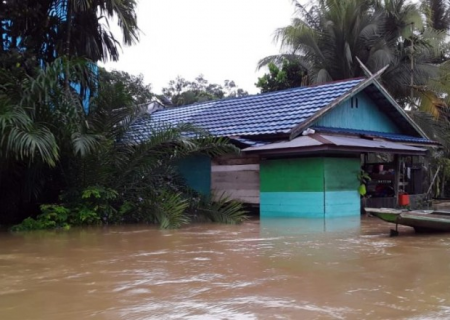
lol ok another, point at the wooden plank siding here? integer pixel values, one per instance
(236, 177)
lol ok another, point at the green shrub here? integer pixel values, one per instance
(95, 206)
(52, 217)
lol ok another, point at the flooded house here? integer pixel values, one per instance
(303, 149)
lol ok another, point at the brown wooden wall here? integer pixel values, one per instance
(237, 177)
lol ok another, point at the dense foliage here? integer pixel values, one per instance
(47, 29)
(132, 88)
(53, 152)
(182, 92)
(64, 164)
(328, 37)
(290, 75)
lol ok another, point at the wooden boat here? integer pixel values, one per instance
(425, 222)
(420, 220)
(386, 214)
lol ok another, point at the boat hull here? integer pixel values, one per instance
(425, 222)
(388, 215)
(421, 221)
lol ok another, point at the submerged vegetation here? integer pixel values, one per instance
(81, 167)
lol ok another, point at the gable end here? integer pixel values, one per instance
(358, 112)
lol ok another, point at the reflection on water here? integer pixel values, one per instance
(293, 226)
(270, 269)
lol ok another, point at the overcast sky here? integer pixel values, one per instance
(221, 39)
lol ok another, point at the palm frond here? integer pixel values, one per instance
(170, 210)
(84, 144)
(436, 129)
(222, 209)
(27, 142)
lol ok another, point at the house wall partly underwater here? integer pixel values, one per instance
(236, 177)
(317, 187)
(306, 187)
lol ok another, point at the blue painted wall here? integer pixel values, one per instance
(196, 170)
(292, 205)
(359, 112)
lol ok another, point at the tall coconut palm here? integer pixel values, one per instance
(437, 13)
(328, 37)
(87, 32)
(74, 28)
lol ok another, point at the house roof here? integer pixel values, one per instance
(272, 114)
(320, 142)
(261, 114)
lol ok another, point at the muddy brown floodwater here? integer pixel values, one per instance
(269, 269)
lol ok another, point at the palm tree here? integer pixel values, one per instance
(74, 28)
(49, 147)
(37, 113)
(327, 38)
(41, 123)
(87, 32)
(437, 13)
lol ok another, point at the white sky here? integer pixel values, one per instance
(221, 39)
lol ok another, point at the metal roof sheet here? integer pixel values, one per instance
(300, 142)
(365, 143)
(384, 135)
(334, 142)
(268, 113)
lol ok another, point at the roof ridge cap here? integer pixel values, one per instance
(262, 94)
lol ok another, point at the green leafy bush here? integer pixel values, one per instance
(52, 217)
(92, 207)
(95, 206)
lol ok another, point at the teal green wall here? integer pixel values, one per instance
(341, 185)
(196, 170)
(292, 175)
(366, 117)
(309, 187)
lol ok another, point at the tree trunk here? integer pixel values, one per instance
(68, 39)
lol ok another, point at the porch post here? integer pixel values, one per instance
(396, 176)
